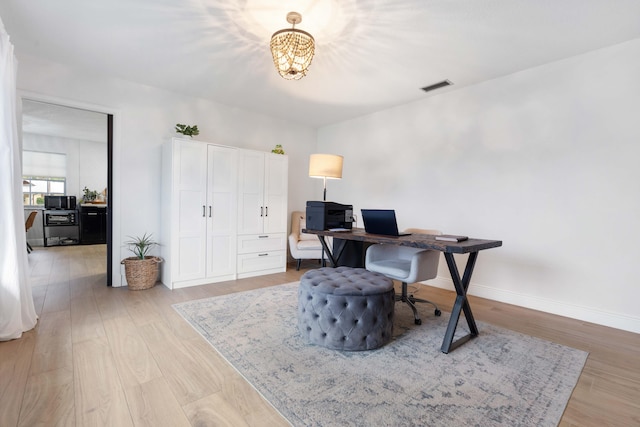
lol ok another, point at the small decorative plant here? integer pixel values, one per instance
(140, 246)
(278, 149)
(89, 195)
(187, 130)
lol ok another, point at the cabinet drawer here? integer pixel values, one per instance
(248, 263)
(262, 243)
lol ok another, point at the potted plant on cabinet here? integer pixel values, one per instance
(187, 130)
(141, 271)
(89, 195)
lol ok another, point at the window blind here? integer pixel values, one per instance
(38, 163)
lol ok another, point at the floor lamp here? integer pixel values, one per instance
(325, 166)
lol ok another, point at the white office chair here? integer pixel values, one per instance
(302, 245)
(407, 265)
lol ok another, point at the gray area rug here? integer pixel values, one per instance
(501, 378)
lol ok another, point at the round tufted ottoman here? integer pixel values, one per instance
(345, 308)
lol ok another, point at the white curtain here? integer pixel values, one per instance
(17, 311)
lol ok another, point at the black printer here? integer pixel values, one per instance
(328, 215)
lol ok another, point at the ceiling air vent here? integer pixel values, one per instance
(437, 85)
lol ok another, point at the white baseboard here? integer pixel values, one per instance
(587, 314)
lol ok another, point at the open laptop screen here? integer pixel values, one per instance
(381, 221)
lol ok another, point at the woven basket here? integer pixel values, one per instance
(141, 273)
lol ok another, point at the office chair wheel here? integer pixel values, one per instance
(438, 313)
(418, 321)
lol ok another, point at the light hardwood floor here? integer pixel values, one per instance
(103, 356)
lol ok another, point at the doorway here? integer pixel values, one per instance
(81, 142)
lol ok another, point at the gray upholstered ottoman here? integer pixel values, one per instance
(345, 308)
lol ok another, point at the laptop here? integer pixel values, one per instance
(381, 221)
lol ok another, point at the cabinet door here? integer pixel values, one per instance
(221, 210)
(90, 227)
(251, 207)
(190, 183)
(93, 225)
(275, 193)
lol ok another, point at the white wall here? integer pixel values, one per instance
(544, 159)
(92, 167)
(144, 118)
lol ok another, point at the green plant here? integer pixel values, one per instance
(89, 195)
(140, 246)
(187, 130)
(278, 149)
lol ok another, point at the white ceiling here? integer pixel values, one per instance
(370, 55)
(66, 122)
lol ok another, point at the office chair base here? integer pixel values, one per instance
(410, 300)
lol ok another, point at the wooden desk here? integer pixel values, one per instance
(426, 241)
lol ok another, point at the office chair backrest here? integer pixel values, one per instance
(422, 231)
(404, 263)
(30, 220)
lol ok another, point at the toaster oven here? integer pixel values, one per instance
(59, 217)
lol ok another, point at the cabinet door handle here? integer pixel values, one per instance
(266, 210)
(261, 211)
(204, 211)
(209, 211)
(263, 254)
(263, 237)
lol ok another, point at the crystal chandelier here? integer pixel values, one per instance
(292, 49)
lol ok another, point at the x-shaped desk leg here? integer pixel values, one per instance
(333, 259)
(461, 303)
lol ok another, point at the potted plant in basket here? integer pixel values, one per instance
(141, 271)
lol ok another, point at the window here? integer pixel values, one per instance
(34, 188)
(44, 175)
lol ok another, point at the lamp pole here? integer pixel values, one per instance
(324, 196)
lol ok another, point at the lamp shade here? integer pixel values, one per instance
(325, 166)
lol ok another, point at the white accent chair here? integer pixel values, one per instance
(302, 245)
(407, 265)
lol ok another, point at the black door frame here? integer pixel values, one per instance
(109, 199)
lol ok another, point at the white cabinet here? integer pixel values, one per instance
(199, 217)
(224, 213)
(262, 213)
(262, 203)
(221, 210)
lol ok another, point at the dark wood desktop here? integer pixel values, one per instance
(424, 241)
